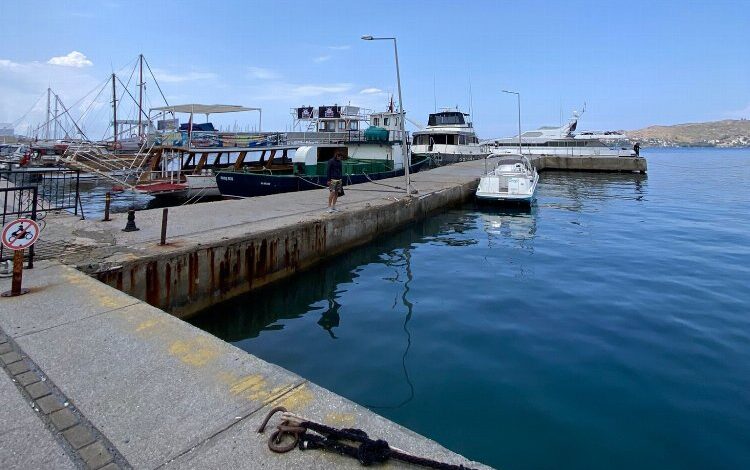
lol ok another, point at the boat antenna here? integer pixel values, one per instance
(471, 99)
(434, 95)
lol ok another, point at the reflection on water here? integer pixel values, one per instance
(330, 318)
(589, 189)
(402, 260)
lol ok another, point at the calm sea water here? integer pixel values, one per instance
(608, 327)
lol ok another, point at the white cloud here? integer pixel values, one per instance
(291, 93)
(171, 77)
(370, 91)
(260, 73)
(73, 59)
(339, 48)
(310, 91)
(24, 83)
(322, 58)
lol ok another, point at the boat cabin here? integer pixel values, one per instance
(329, 118)
(448, 118)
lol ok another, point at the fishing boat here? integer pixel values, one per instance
(513, 179)
(371, 154)
(448, 138)
(185, 156)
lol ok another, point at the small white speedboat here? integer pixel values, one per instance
(513, 179)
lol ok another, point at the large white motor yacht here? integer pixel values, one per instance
(564, 141)
(513, 179)
(448, 138)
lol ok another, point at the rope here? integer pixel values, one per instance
(349, 186)
(367, 452)
(157, 82)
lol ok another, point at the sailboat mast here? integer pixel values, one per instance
(114, 110)
(140, 97)
(46, 127)
(54, 136)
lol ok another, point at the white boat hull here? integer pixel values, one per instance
(202, 186)
(512, 181)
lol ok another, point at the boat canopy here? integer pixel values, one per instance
(204, 108)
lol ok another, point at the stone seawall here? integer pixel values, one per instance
(186, 280)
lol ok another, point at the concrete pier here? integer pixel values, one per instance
(599, 164)
(97, 374)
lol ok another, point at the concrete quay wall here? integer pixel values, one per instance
(602, 164)
(185, 280)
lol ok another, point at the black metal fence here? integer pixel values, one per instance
(31, 193)
(57, 188)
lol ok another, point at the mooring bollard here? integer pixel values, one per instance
(107, 201)
(164, 226)
(130, 225)
(15, 286)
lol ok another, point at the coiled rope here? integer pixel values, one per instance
(350, 442)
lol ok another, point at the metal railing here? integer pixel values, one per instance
(337, 137)
(57, 188)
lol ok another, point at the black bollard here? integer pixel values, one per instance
(107, 201)
(164, 226)
(130, 226)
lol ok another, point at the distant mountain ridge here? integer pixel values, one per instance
(727, 133)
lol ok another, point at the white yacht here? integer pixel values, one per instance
(564, 141)
(448, 138)
(513, 179)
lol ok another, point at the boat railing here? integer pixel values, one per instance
(337, 137)
(216, 139)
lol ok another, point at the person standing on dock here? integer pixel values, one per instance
(637, 149)
(334, 174)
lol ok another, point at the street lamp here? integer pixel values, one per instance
(404, 145)
(518, 95)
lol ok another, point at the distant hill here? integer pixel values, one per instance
(727, 133)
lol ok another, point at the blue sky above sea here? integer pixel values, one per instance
(634, 63)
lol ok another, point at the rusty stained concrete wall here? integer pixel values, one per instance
(188, 280)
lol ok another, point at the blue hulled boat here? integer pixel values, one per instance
(373, 154)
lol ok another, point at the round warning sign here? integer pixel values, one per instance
(20, 234)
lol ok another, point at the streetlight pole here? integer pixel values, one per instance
(404, 144)
(518, 95)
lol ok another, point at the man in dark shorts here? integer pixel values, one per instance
(334, 173)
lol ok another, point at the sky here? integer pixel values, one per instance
(633, 63)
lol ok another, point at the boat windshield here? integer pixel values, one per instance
(511, 161)
(446, 118)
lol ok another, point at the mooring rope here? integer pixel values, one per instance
(367, 451)
(350, 188)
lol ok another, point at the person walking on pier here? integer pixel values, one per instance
(637, 148)
(334, 173)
